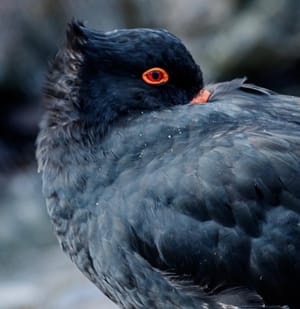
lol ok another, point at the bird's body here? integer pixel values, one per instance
(170, 204)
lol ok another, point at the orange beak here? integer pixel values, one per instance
(202, 97)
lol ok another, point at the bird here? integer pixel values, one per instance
(164, 191)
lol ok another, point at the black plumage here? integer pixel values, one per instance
(162, 203)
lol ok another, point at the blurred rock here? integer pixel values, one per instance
(32, 31)
(260, 40)
(49, 280)
(24, 222)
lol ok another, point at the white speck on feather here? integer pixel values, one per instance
(224, 306)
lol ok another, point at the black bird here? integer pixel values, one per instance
(160, 202)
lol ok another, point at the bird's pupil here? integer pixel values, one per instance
(155, 75)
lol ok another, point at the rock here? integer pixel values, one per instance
(48, 280)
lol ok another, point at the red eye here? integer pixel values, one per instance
(155, 76)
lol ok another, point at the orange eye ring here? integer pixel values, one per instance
(155, 76)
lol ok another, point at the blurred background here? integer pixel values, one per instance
(259, 39)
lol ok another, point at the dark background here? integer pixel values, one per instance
(229, 38)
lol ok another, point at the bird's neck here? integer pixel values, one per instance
(61, 149)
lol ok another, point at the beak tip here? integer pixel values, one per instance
(202, 97)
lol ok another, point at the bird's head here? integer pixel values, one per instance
(101, 76)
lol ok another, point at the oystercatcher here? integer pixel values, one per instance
(167, 193)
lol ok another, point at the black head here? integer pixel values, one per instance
(99, 74)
